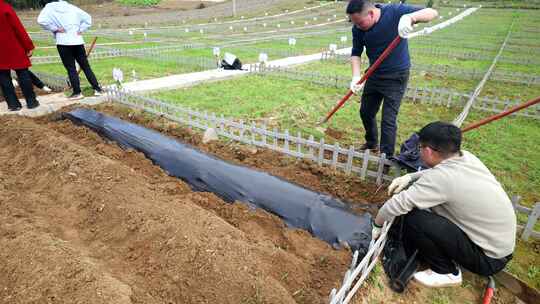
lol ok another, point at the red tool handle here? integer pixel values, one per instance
(502, 114)
(370, 71)
(89, 52)
(490, 289)
(488, 295)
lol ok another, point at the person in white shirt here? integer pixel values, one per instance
(455, 213)
(67, 23)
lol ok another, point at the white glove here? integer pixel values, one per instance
(375, 231)
(355, 88)
(405, 26)
(399, 184)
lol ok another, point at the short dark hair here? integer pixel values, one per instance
(442, 137)
(357, 6)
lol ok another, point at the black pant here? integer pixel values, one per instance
(440, 243)
(8, 89)
(35, 80)
(389, 87)
(71, 53)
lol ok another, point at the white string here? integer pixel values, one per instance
(463, 115)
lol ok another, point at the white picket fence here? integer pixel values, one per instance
(434, 96)
(358, 272)
(451, 71)
(533, 214)
(346, 159)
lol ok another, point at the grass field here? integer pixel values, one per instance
(301, 105)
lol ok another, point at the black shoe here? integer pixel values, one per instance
(32, 105)
(366, 146)
(14, 109)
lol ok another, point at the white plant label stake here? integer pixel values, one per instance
(292, 41)
(118, 76)
(216, 51)
(263, 58)
(333, 48)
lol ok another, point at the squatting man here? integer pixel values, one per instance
(456, 214)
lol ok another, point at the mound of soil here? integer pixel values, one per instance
(83, 221)
(303, 172)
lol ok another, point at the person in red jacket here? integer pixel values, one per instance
(14, 55)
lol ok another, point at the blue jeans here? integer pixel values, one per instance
(388, 89)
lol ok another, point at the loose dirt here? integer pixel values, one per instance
(306, 173)
(83, 221)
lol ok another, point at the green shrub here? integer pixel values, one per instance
(24, 3)
(139, 2)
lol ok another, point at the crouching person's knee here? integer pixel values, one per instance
(415, 220)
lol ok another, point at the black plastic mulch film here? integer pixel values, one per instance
(325, 217)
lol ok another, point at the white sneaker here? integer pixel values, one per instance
(98, 93)
(76, 96)
(47, 89)
(430, 278)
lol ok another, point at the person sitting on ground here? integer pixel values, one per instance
(67, 23)
(14, 55)
(455, 213)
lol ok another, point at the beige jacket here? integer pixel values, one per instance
(464, 191)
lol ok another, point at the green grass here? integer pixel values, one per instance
(493, 89)
(144, 69)
(299, 106)
(526, 261)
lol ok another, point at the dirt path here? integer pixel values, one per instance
(83, 221)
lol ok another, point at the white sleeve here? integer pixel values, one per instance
(45, 21)
(430, 190)
(86, 20)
